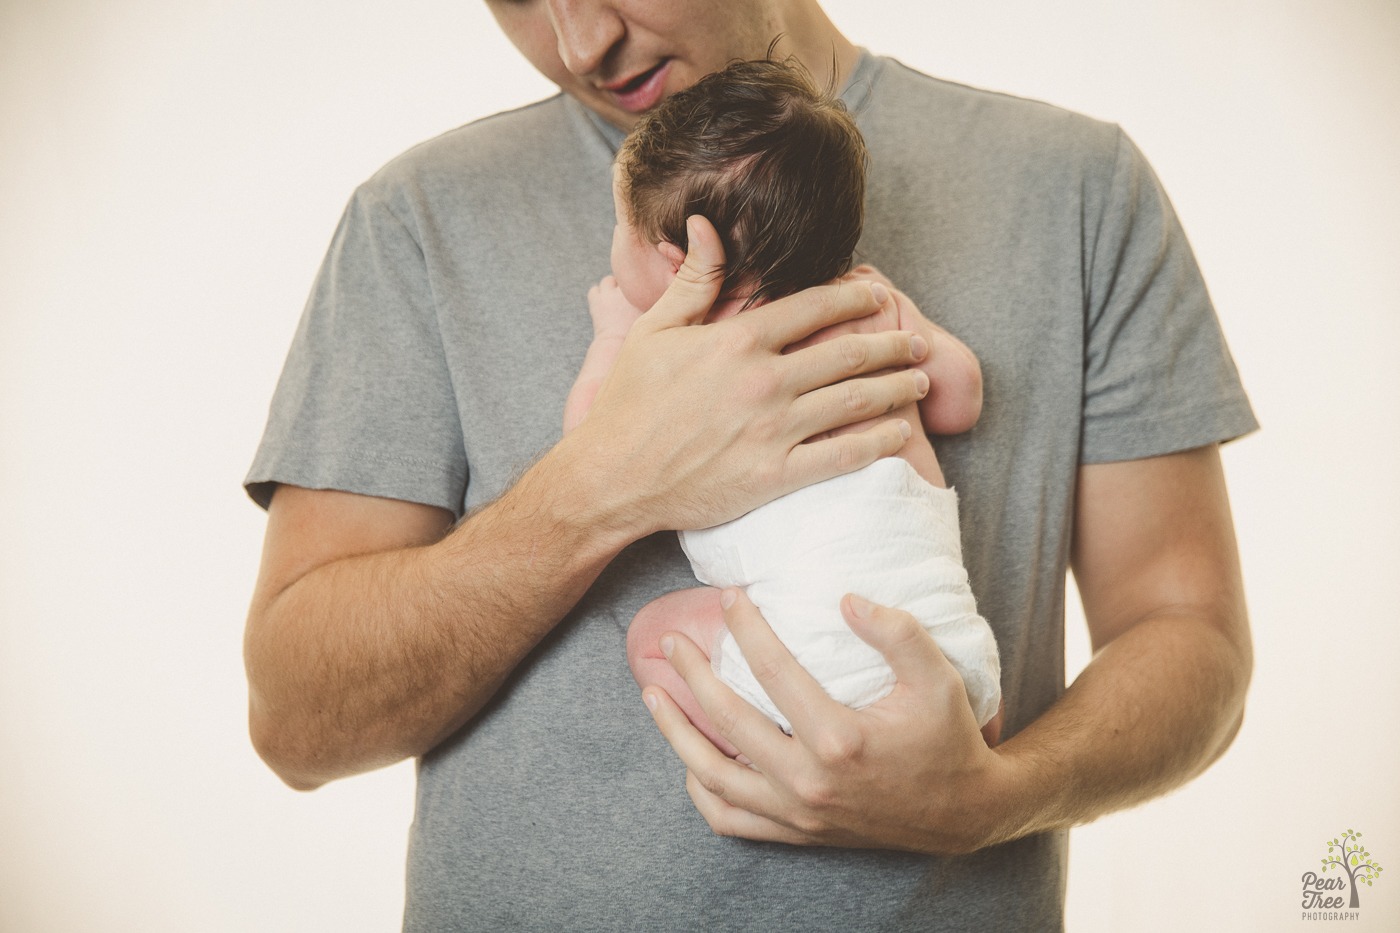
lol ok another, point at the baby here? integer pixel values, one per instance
(779, 169)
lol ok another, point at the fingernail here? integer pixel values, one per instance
(860, 608)
(881, 293)
(668, 644)
(726, 598)
(921, 382)
(905, 431)
(918, 346)
(650, 700)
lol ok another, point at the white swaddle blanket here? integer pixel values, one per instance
(882, 532)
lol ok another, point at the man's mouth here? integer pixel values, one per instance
(641, 91)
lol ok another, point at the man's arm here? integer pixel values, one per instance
(1158, 570)
(1155, 557)
(374, 633)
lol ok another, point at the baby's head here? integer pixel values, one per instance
(776, 166)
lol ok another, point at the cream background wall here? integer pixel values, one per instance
(170, 174)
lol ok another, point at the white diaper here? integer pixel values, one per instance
(883, 533)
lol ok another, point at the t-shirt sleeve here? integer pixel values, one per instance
(1158, 376)
(365, 401)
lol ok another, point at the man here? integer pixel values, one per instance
(427, 380)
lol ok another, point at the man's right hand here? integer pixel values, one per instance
(696, 425)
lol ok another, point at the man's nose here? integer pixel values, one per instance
(586, 31)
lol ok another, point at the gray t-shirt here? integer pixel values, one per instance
(432, 364)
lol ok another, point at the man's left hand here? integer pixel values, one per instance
(910, 772)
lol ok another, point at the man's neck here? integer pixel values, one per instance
(815, 41)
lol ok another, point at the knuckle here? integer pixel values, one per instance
(814, 792)
(710, 782)
(893, 440)
(951, 688)
(765, 383)
(847, 454)
(712, 814)
(854, 352)
(770, 474)
(824, 301)
(899, 390)
(737, 337)
(765, 669)
(720, 828)
(902, 632)
(766, 474)
(809, 824)
(754, 390)
(725, 721)
(905, 635)
(693, 272)
(853, 397)
(838, 746)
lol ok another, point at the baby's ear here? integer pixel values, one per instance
(673, 254)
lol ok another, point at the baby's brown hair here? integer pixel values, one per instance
(777, 167)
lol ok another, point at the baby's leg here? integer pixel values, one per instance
(696, 614)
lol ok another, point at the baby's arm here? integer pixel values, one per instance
(612, 317)
(954, 400)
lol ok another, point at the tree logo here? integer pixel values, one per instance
(1352, 858)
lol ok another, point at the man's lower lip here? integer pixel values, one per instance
(646, 95)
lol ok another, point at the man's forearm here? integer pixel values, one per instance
(371, 659)
(1153, 709)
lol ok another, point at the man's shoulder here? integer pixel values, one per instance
(958, 114)
(506, 153)
(489, 137)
